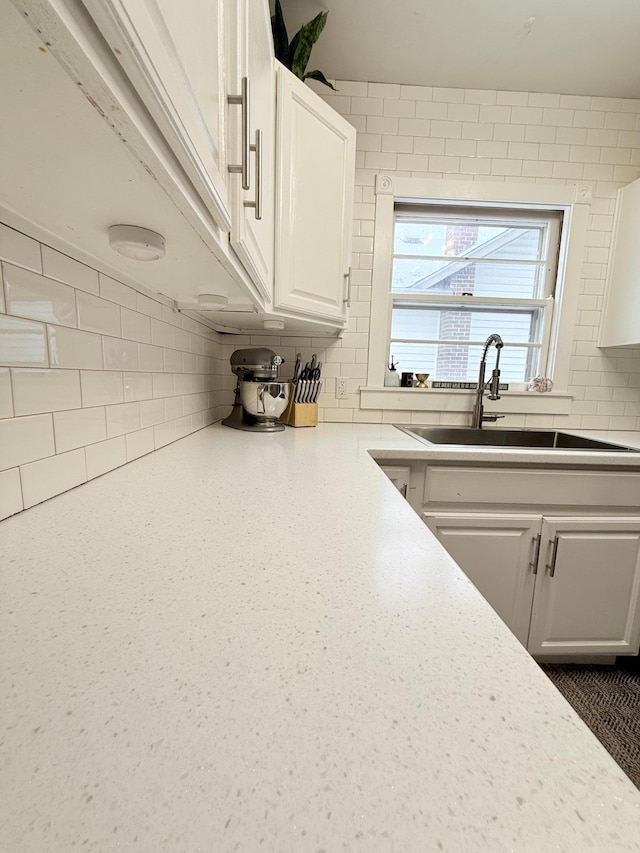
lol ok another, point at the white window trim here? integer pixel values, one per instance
(572, 199)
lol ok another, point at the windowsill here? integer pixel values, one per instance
(448, 400)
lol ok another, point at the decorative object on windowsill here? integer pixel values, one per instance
(422, 380)
(406, 380)
(391, 376)
(295, 55)
(540, 384)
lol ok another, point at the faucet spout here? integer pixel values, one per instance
(478, 417)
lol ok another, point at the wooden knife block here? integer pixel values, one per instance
(299, 414)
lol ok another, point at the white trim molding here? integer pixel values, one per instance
(430, 400)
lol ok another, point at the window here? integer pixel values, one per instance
(518, 248)
(460, 273)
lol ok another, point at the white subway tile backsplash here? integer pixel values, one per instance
(101, 388)
(161, 333)
(399, 108)
(10, 493)
(98, 315)
(146, 305)
(164, 434)
(122, 418)
(6, 398)
(509, 132)
(138, 443)
(151, 358)
(105, 456)
(137, 386)
(63, 268)
(79, 427)
(25, 439)
(114, 291)
(48, 477)
(45, 390)
(120, 354)
(23, 343)
(152, 412)
(63, 416)
(476, 130)
(172, 361)
(74, 348)
(17, 248)
(28, 294)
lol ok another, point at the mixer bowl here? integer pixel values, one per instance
(266, 400)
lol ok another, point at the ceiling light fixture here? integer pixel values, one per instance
(139, 244)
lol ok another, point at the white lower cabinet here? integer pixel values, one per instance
(495, 552)
(400, 476)
(567, 587)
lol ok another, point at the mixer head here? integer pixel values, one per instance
(257, 363)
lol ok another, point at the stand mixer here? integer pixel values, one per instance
(260, 398)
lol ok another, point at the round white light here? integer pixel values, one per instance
(273, 325)
(212, 301)
(137, 243)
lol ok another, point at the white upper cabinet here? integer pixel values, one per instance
(315, 171)
(177, 64)
(621, 317)
(253, 135)
(206, 75)
(261, 180)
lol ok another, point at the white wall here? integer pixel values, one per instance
(92, 373)
(469, 134)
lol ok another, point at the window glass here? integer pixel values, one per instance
(488, 255)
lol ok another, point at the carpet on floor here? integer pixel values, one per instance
(608, 700)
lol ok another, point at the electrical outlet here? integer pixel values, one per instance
(341, 388)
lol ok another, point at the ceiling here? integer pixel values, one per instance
(578, 47)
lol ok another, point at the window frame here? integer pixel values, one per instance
(572, 200)
(541, 305)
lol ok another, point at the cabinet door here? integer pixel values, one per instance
(587, 594)
(253, 216)
(400, 476)
(497, 553)
(175, 59)
(315, 173)
(621, 316)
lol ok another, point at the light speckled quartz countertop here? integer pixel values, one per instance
(251, 642)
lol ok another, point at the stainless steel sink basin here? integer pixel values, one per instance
(549, 439)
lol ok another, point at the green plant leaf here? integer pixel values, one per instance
(318, 75)
(280, 36)
(292, 50)
(304, 40)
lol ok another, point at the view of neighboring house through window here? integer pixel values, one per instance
(460, 274)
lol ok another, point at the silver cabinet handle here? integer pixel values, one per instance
(534, 563)
(552, 565)
(347, 298)
(403, 490)
(243, 100)
(258, 200)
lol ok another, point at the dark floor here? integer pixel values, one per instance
(608, 700)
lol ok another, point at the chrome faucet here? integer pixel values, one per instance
(478, 417)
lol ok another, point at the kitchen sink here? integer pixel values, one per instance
(545, 439)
